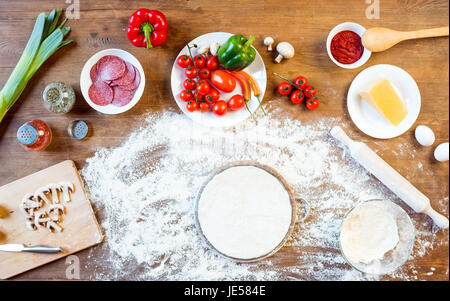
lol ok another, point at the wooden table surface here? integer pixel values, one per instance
(305, 24)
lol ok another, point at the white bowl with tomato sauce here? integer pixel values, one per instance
(359, 30)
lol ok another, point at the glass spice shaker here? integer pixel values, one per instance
(58, 97)
(78, 129)
(34, 135)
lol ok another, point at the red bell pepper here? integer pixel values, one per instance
(148, 28)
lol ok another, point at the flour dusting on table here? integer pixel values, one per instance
(144, 192)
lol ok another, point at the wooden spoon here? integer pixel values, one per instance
(379, 38)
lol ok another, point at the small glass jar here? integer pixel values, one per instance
(34, 135)
(58, 97)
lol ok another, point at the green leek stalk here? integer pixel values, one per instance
(47, 37)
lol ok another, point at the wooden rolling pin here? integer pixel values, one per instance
(379, 39)
(389, 177)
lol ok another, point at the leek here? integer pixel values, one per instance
(47, 37)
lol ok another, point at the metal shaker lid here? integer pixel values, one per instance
(27, 134)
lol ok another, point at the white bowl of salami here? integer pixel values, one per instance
(112, 81)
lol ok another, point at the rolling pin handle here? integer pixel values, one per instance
(338, 133)
(440, 220)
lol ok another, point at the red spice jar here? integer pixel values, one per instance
(346, 47)
(34, 135)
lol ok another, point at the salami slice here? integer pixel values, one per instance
(100, 93)
(127, 78)
(110, 67)
(135, 84)
(122, 97)
(93, 73)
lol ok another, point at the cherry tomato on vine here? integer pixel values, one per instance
(284, 88)
(204, 106)
(203, 87)
(192, 106)
(300, 82)
(189, 84)
(310, 91)
(200, 61)
(236, 102)
(212, 63)
(205, 73)
(184, 60)
(220, 108)
(213, 95)
(186, 95)
(190, 72)
(312, 103)
(297, 96)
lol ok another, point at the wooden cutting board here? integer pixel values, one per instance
(81, 229)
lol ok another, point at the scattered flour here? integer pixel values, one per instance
(144, 191)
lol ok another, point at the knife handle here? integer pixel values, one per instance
(42, 249)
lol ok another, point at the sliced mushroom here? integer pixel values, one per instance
(29, 205)
(30, 224)
(67, 189)
(54, 188)
(214, 48)
(41, 193)
(56, 211)
(41, 219)
(268, 41)
(203, 49)
(52, 227)
(285, 51)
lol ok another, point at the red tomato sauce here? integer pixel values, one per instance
(346, 47)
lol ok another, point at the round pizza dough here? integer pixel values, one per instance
(245, 212)
(368, 233)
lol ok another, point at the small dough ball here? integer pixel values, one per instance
(441, 152)
(3, 212)
(368, 233)
(424, 135)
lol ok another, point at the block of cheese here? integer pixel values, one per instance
(383, 98)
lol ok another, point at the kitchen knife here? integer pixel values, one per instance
(31, 249)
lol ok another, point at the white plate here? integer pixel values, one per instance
(256, 69)
(366, 118)
(85, 80)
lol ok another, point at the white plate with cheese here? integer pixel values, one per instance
(371, 118)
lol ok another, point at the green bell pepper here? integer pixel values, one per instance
(237, 53)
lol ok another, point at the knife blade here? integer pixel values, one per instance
(31, 249)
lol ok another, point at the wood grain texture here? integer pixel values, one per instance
(305, 24)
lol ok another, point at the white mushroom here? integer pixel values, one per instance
(29, 205)
(285, 51)
(268, 41)
(67, 189)
(41, 193)
(41, 219)
(54, 188)
(214, 48)
(203, 49)
(30, 224)
(56, 211)
(52, 227)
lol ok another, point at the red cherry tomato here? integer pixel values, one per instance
(204, 106)
(212, 63)
(203, 87)
(190, 72)
(212, 96)
(189, 84)
(220, 108)
(310, 91)
(192, 106)
(236, 102)
(223, 81)
(205, 73)
(284, 88)
(184, 60)
(312, 103)
(186, 95)
(297, 96)
(300, 82)
(200, 61)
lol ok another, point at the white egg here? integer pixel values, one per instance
(424, 135)
(441, 152)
